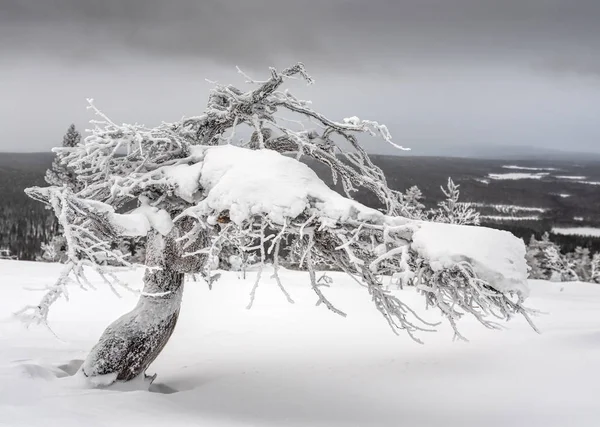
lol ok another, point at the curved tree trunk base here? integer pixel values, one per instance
(132, 342)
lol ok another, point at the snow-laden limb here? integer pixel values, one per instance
(496, 256)
(460, 269)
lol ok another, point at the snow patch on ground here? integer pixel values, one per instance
(570, 177)
(517, 175)
(511, 218)
(579, 231)
(588, 182)
(297, 365)
(527, 168)
(507, 208)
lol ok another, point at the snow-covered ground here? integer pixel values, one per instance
(300, 365)
(579, 178)
(527, 168)
(505, 208)
(511, 218)
(579, 231)
(508, 212)
(517, 175)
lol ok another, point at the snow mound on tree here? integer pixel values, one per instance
(263, 182)
(497, 256)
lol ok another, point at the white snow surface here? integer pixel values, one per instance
(571, 177)
(510, 217)
(517, 175)
(580, 231)
(527, 168)
(131, 224)
(505, 208)
(186, 178)
(300, 365)
(252, 182)
(141, 220)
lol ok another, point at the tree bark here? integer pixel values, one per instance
(132, 342)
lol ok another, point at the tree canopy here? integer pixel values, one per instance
(196, 189)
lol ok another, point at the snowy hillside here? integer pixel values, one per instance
(299, 365)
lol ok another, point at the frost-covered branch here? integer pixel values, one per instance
(90, 228)
(289, 201)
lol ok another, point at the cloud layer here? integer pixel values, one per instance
(469, 71)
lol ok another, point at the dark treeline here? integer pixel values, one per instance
(567, 243)
(25, 224)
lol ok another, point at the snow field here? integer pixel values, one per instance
(578, 231)
(528, 168)
(518, 175)
(300, 365)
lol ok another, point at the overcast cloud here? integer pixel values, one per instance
(440, 73)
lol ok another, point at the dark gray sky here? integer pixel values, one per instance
(440, 73)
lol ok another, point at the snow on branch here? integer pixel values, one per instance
(448, 263)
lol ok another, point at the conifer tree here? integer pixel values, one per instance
(451, 211)
(60, 173)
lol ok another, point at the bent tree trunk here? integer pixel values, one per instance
(132, 342)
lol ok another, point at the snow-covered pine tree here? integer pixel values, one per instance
(451, 211)
(196, 193)
(412, 203)
(595, 268)
(534, 258)
(55, 250)
(60, 173)
(546, 261)
(561, 270)
(581, 263)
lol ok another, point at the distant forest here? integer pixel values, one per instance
(25, 224)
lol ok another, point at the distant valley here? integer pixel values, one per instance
(523, 196)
